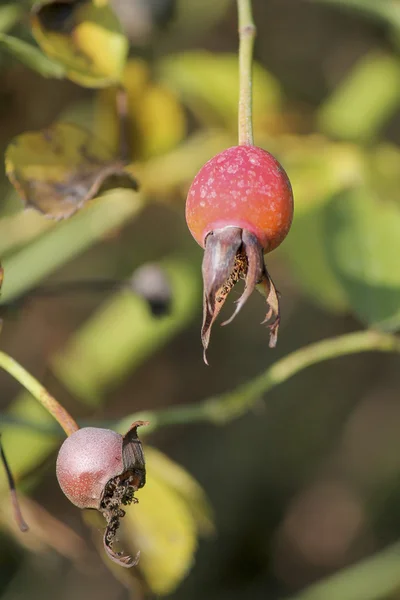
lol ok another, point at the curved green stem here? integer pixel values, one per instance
(39, 393)
(247, 34)
(231, 405)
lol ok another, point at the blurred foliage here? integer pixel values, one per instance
(157, 114)
(32, 57)
(209, 85)
(85, 37)
(132, 334)
(156, 117)
(365, 101)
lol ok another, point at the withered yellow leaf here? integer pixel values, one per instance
(60, 168)
(164, 525)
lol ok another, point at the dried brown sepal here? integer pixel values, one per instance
(109, 539)
(267, 288)
(252, 269)
(232, 254)
(119, 491)
(133, 457)
(220, 273)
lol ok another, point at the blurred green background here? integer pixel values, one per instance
(304, 491)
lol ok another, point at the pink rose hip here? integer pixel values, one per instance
(239, 207)
(101, 469)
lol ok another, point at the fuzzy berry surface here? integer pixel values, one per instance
(88, 459)
(243, 186)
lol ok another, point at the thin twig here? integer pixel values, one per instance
(39, 393)
(247, 34)
(231, 405)
(13, 492)
(226, 407)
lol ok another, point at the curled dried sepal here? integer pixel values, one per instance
(132, 455)
(109, 538)
(221, 267)
(232, 254)
(267, 288)
(120, 491)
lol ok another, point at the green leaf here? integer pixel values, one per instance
(318, 169)
(364, 101)
(10, 14)
(163, 525)
(32, 57)
(132, 334)
(177, 478)
(27, 267)
(374, 578)
(18, 229)
(209, 84)
(386, 10)
(85, 37)
(59, 169)
(363, 245)
(26, 448)
(305, 249)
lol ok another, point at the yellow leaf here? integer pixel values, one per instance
(317, 168)
(85, 37)
(57, 170)
(185, 485)
(165, 523)
(157, 120)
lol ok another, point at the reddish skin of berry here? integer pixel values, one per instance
(243, 186)
(87, 460)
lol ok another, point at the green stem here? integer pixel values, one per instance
(39, 393)
(247, 34)
(231, 405)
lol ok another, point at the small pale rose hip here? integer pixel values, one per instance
(101, 469)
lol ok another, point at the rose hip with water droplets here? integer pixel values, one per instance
(239, 207)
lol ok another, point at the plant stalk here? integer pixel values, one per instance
(39, 393)
(231, 405)
(247, 34)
